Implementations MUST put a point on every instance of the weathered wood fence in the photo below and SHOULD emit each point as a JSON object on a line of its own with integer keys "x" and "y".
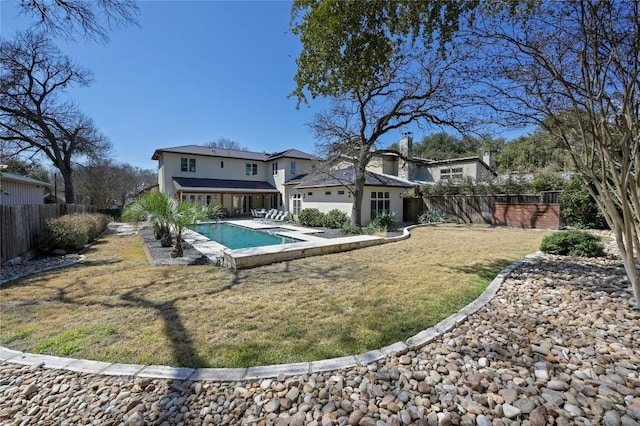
{"x": 520, "y": 210}
{"x": 461, "y": 208}
{"x": 22, "y": 226}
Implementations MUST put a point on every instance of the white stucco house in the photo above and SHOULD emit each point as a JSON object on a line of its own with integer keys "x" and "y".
{"x": 288, "y": 180}
{"x": 21, "y": 190}
{"x": 237, "y": 180}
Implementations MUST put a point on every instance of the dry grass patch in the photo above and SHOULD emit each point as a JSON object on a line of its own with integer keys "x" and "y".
{"x": 116, "y": 307}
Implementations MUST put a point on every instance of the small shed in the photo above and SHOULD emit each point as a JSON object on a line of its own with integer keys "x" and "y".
{"x": 21, "y": 190}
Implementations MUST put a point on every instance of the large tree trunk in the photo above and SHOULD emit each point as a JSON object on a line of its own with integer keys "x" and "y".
{"x": 358, "y": 195}
{"x": 69, "y": 194}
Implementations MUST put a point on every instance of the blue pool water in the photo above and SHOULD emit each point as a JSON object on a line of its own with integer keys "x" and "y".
{"x": 237, "y": 237}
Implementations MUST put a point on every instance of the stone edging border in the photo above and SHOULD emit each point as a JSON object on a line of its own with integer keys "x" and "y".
{"x": 81, "y": 258}
{"x": 269, "y": 371}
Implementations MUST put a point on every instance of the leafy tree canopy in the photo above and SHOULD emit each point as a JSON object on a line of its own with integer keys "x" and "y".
{"x": 347, "y": 44}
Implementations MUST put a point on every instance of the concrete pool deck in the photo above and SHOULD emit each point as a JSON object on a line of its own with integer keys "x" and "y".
{"x": 311, "y": 245}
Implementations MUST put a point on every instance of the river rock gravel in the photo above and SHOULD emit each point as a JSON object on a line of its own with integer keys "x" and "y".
{"x": 559, "y": 344}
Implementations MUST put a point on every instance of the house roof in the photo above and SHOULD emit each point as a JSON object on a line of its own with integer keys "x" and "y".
{"x": 222, "y": 185}
{"x": 347, "y": 176}
{"x": 233, "y": 153}
{"x": 22, "y": 179}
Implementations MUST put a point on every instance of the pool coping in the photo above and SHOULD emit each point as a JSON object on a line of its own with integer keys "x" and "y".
{"x": 269, "y": 371}
{"x": 310, "y": 245}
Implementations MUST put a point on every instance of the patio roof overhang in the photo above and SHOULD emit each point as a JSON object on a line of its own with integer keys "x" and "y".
{"x": 227, "y": 186}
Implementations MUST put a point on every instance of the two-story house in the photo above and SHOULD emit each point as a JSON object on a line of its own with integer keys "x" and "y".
{"x": 405, "y": 165}
{"x": 237, "y": 180}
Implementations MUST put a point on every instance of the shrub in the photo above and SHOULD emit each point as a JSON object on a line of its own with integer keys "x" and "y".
{"x": 116, "y": 213}
{"x": 579, "y": 209}
{"x": 349, "y": 229}
{"x": 311, "y": 217}
{"x": 573, "y": 243}
{"x": 383, "y": 221}
{"x": 432, "y": 216}
{"x": 335, "y": 219}
{"x": 73, "y": 232}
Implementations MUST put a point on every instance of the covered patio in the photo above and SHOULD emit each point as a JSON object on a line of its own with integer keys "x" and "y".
{"x": 237, "y": 197}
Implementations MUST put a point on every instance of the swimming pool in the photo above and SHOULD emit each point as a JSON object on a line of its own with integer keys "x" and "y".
{"x": 238, "y": 237}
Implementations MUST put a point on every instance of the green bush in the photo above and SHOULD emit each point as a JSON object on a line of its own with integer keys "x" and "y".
{"x": 116, "y": 214}
{"x": 335, "y": 219}
{"x": 349, "y": 229}
{"x": 579, "y": 209}
{"x": 73, "y": 232}
{"x": 311, "y": 217}
{"x": 383, "y": 221}
{"x": 573, "y": 243}
{"x": 432, "y": 216}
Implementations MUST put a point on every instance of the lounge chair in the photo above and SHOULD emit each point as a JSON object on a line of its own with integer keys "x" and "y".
{"x": 283, "y": 218}
{"x": 270, "y": 215}
{"x": 277, "y": 217}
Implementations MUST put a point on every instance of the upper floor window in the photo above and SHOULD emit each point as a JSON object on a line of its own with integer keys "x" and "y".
{"x": 222, "y": 164}
{"x": 452, "y": 173}
{"x": 251, "y": 169}
{"x": 293, "y": 168}
{"x": 188, "y": 164}
{"x": 274, "y": 168}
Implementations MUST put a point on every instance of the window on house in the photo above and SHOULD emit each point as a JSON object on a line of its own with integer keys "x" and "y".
{"x": 274, "y": 168}
{"x": 188, "y": 164}
{"x": 452, "y": 173}
{"x": 309, "y": 193}
{"x": 208, "y": 200}
{"x": 297, "y": 204}
{"x": 327, "y": 192}
{"x": 251, "y": 169}
{"x": 293, "y": 168}
{"x": 184, "y": 198}
{"x": 380, "y": 203}
{"x": 222, "y": 164}
{"x": 340, "y": 192}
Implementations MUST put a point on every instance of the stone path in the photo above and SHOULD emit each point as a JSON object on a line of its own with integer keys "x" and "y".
{"x": 558, "y": 344}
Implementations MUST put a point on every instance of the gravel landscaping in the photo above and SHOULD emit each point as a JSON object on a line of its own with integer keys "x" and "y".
{"x": 162, "y": 255}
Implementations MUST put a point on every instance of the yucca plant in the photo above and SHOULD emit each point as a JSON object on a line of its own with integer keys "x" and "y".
{"x": 184, "y": 214}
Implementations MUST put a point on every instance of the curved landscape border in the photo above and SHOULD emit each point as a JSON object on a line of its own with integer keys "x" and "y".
{"x": 270, "y": 371}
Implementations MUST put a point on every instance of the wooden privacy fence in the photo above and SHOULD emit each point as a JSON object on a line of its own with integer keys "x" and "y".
{"x": 461, "y": 208}
{"x": 21, "y": 226}
{"x": 519, "y": 210}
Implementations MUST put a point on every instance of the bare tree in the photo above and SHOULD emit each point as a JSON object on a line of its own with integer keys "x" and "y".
{"x": 33, "y": 116}
{"x": 104, "y": 183}
{"x": 90, "y": 19}
{"x": 226, "y": 144}
{"x": 574, "y": 69}
{"x": 418, "y": 88}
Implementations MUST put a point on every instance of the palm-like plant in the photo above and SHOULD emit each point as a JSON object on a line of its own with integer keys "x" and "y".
{"x": 156, "y": 206}
{"x": 168, "y": 214}
{"x": 185, "y": 213}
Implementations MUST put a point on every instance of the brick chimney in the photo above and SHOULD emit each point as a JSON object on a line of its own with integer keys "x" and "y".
{"x": 406, "y": 169}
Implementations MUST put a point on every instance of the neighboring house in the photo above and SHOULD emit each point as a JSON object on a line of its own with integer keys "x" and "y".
{"x": 237, "y": 180}
{"x": 21, "y": 190}
{"x": 326, "y": 191}
{"x": 425, "y": 171}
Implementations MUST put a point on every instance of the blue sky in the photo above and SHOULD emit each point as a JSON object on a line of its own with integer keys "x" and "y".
{"x": 192, "y": 72}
